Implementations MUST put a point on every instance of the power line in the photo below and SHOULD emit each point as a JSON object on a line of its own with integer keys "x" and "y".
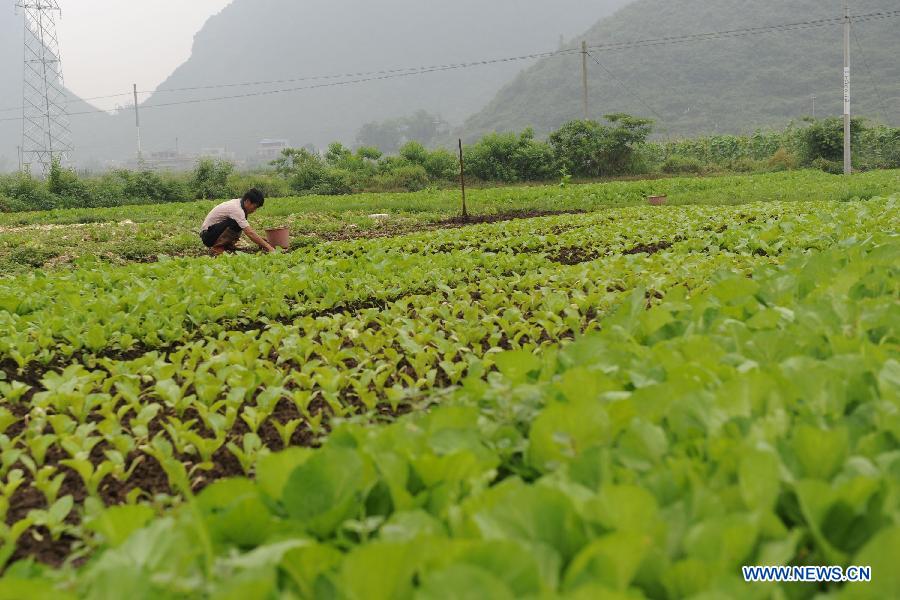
{"x": 395, "y": 73}
{"x": 639, "y": 43}
{"x": 14, "y": 108}
{"x": 400, "y": 71}
{"x": 744, "y": 32}
{"x": 361, "y": 77}
{"x": 412, "y": 71}
{"x": 391, "y": 74}
{"x": 366, "y": 76}
{"x": 407, "y": 70}
{"x": 627, "y": 89}
{"x": 869, "y": 74}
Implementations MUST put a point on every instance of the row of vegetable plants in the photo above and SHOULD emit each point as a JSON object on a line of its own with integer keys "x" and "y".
{"x": 101, "y": 309}
{"x": 748, "y": 420}
{"x": 58, "y": 239}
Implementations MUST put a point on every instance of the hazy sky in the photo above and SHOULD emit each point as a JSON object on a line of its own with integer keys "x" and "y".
{"x": 109, "y": 44}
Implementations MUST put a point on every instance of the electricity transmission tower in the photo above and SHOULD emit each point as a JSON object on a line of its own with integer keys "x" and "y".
{"x": 45, "y": 121}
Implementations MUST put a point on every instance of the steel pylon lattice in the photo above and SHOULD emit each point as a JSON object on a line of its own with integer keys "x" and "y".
{"x": 45, "y": 121}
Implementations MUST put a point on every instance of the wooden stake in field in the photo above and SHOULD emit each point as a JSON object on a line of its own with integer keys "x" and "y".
{"x": 462, "y": 180}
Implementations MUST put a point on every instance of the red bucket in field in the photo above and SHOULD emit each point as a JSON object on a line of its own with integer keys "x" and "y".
{"x": 657, "y": 200}
{"x": 280, "y": 237}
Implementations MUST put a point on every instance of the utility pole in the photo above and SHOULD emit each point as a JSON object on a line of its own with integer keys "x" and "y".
{"x": 584, "y": 79}
{"x": 814, "y": 107}
{"x": 137, "y": 122}
{"x": 848, "y": 164}
{"x": 462, "y": 180}
{"x": 19, "y": 155}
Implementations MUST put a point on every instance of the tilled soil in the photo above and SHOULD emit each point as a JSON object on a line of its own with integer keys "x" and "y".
{"x": 649, "y": 248}
{"x": 576, "y": 255}
{"x": 456, "y": 222}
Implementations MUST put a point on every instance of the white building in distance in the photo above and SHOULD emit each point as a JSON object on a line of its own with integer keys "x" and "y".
{"x": 270, "y": 149}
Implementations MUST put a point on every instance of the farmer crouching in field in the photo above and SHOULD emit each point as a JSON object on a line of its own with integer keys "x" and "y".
{"x": 225, "y": 223}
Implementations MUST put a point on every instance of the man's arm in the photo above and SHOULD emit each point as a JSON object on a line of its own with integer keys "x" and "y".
{"x": 258, "y": 240}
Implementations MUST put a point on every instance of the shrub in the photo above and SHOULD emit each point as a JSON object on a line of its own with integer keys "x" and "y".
{"x": 141, "y": 187}
{"x": 589, "y": 149}
{"x": 390, "y": 163}
{"x": 577, "y": 148}
{"x": 442, "y": 165}
{"x": 675, "y": 165}
{"x": 829, "y": 166}
{"x": 783, "y": 160}
{"x": 490, "y": 159}
{"x": 369, "y": 153}
{"x": 333, "y": 182}
{"x": 27, "y": 193}
{"x": 439, "y": 165}
{"x": 301, "y": 168}
{"x": 509, "y": 158}
{"x": 745, "y": 164}
{"x": 270, "y": 185}
{"x": 409, "y": 178}
{"x": 340, "y": 172}
{"x": 65, "y": 184}
{"x": 534, "y": 160}
{"x": 824, "y": 139}
{"x": 731, "y": 151}
{"x": 15, "y": 204}
{"x": 109, "y": 190}
{"x": 338, "y": 155}
{"x": 414, "y": 153}
{"x": 882, "y": 147}
{"x": 209, "y": 179}
{"x": 623, "y": 139}
{"x": 763, "y": 144}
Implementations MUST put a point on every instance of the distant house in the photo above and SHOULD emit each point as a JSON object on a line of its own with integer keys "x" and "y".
{"x": 270, "y": 149}
{"x": 166, "y": 160}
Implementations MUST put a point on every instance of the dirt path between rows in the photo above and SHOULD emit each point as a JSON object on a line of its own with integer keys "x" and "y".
{"x": 457, "y": 222}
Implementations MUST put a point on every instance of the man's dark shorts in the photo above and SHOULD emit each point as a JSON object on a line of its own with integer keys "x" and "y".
{"x": 214, "y": 232}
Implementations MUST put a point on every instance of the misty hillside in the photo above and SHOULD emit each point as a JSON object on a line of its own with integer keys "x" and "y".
{"x": 265, "y": 40}
{"x": 723, "y": 85}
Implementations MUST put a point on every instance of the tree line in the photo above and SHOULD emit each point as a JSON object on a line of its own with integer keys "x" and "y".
{"x": 618, "y": 146}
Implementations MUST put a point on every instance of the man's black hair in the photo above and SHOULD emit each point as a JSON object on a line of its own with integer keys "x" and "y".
{"x": 255, "y": 197}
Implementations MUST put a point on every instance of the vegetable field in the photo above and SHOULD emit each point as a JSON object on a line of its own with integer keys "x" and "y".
{"x": 58, "y": 239}
{"x": 611, "y": 401}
